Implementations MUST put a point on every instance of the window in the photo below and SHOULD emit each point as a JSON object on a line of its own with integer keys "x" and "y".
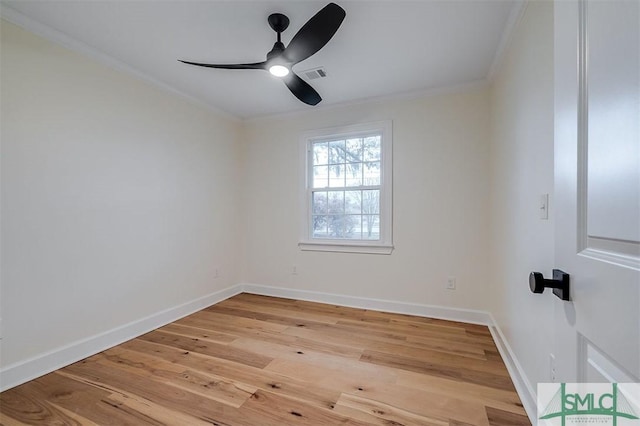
{"x": 346, "y": 189}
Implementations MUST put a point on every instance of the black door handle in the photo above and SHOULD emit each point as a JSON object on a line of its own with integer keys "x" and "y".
{"x": 559, "y": 283}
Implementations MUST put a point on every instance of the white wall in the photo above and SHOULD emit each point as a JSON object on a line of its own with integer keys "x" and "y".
{"x": 440, "y": 203}
{"x": 521, "y": 170}
{"x": 118, "y": 199}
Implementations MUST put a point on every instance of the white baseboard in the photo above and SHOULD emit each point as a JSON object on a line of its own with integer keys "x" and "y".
{"x": 526, "y": 392}
{"x": 15, "y": 374}
{"x": 432, "y": 311}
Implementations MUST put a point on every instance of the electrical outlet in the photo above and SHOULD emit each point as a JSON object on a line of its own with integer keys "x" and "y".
{"x": 552, "y": 367}
{"x": 216, "y": 273}
{"x": 294, "y": 270}
{"x": 451, "y": 283}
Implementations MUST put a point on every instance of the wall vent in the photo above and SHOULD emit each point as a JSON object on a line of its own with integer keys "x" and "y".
{"x": 315, "y": 73}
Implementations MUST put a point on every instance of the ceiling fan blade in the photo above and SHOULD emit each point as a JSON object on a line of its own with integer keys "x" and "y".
{"x": 315, "y": 33}
{"x": 301, "y": 89}
{"x": 254, "y": 66}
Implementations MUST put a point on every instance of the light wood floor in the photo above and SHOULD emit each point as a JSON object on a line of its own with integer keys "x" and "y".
{"x": 258, "y": 361}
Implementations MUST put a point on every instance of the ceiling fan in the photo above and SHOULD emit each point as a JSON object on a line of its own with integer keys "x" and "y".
{"x": 308, "y": 40}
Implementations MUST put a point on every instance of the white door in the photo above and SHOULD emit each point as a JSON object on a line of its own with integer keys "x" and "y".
{"x": 597, "y": 189}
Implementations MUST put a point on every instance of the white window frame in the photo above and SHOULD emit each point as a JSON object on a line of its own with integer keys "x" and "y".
{"x": 385, "y": 244}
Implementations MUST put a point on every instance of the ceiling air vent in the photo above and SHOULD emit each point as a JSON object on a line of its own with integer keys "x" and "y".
{"x": 315, "y": 73}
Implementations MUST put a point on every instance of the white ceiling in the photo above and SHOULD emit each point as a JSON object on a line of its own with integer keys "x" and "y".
{"x": 383, "y": 48}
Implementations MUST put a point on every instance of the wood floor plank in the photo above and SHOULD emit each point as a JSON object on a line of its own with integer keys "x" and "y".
{"x": 261, "y": 361}
{"x": 235, "y": 330}
{"x": 239, "y": 322}
{"x": 504, "y": 418}
{"x": 444, "y": 344}
{"x": 420, "y": 336}
{"x": 151, "y": 409}
{"x": 281, "y": 316}
{"x": 261, "y": 378}
{"x": 379, "y": 413}
{"x": 426, "y": 404}
{"x": 277, "y": 410}
{"x": 75, "y": 416}
{"x": 427, "y": 366}
{"x": 25, "y": 407}
{"x": 208, "y": 385}
{"x": 488, "y": 396}
{"x": 481, "y": 364}
{"x": 89, "y": 404}
{"x": 347, "y": 329}
{"x": 328, "y": 348}
{"x": 207, "y": 348}
{"x": 159, "y": 391}
{"x": 245, "y": 311}
{"x": 338, "y": 336}
{"x": 198, "y": 333}
{"x": 5, "y": 420}
{"x": 343, "y": 377}
{"x": 294, "y": 352}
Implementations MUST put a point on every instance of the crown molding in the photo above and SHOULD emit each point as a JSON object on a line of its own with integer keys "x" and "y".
{"x": 515, "y": 16}
{"x": 404, "y": 96}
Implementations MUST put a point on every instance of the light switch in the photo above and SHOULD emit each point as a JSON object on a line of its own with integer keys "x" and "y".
{"x": 544, "y": 206}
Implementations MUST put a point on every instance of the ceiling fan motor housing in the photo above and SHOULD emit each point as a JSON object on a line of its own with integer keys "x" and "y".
{"x": 278, "y": 48}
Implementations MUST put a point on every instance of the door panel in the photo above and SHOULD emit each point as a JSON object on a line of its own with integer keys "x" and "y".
{"x": 597, "y": 188}
{"x": 613, "y": 111}
{"x": 597, "y": 366}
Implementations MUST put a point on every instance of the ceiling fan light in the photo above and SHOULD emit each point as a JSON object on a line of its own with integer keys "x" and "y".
{"x": 279, "y": 70}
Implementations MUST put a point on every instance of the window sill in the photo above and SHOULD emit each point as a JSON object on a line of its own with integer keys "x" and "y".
{"x": 345, "y": 248}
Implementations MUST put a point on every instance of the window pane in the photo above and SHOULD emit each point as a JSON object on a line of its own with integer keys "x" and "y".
{"x": 353, "y": 230}
{"x": 372, "y": 148}
{"x": 336, "y": 226}
{"x": 337, "y": 176}
{"x": 352, "y": 202}
{"x": 354, "y": 174}
{"x": 319, "y": 203}
{"x": 354, "y": 150}
{"x": 336, "y": 152}
{"x": 320, "y": 153}
{"x": 351, "y": 226}
{"x": 320, "y": 176}
{"x": 371, "y": 202}
{"x": 345, "y": 226}
{"x": 336, "y": 202}
{"x": 372, "y": 173}
{"x": 320, "y": 226}
{"x": 371, "y": 227}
